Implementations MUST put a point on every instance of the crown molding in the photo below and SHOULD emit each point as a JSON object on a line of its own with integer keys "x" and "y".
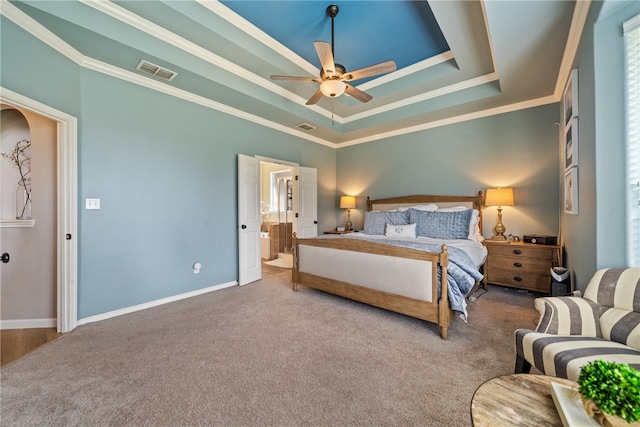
{"x": 149, "y": 83}
{"x": 37, "y": 30}
{"x": 445, "y": 90}
{"x": 578, "y": 21}
{"x": 454, "y": 119}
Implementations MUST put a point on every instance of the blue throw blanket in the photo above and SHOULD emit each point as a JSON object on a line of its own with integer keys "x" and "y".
{"x": 461, "y": 272}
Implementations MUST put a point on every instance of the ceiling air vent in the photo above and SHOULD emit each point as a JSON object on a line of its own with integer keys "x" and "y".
{"x": 156, "y": 70}
{"x": 306, "y": 126}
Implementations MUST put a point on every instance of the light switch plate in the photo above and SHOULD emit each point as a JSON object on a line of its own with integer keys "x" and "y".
{"x": 92, "y": 203}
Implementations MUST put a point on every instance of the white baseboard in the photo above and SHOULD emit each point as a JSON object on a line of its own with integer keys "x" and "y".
{"x": 27, "y": 323}
{"x": 134, "y": 308}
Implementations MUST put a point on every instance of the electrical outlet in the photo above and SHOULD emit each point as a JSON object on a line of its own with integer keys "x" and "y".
{"x": 92, "y": 203}
{"x": 196, "y": 268}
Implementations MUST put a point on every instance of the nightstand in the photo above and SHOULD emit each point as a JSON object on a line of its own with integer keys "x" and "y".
{"x": 337, "y": 232}
{"x": 520, "y": 265}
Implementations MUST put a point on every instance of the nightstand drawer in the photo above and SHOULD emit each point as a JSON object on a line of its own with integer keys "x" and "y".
{"x": 521, "y": 265}
{"x": 515, "y": 263}
{"x": 531, "y": 251}
{"x": 532, "y": 282}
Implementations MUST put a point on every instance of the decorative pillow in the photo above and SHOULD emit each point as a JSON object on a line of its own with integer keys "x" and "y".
{"x": 375, "y": 222}
{"x": 405, "y": 230}
{"x": 474, "y": 229}
{"x": 441, "y": 225}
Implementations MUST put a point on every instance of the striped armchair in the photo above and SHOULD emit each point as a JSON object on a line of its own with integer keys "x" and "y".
{"x": 573, "y": 331}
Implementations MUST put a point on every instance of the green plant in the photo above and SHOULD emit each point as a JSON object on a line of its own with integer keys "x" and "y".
{"x": 615, "y": 387}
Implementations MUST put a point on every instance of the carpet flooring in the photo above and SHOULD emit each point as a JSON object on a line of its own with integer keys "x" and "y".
{"x": 263, "y": 355}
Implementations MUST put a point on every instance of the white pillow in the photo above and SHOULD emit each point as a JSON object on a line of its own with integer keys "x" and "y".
{"x": 430, "y": 208}
{"x": 453, "y": 209}
{"x": 474, "y": 229}
{"x": 404, "y": 230}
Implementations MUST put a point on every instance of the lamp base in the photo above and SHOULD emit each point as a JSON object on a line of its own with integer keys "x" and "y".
{"x": 499, "y": 239}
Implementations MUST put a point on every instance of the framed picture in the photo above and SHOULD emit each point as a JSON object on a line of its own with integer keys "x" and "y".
{"x": 571, "y": 144}
{"x": 571, "y": 191}
{"x": 570, "y": 98}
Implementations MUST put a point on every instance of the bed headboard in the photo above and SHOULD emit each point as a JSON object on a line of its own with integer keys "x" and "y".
{"x": 473, "y": 202}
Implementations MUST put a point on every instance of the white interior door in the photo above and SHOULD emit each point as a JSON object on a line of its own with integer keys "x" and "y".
{"x": 307, "y": 206}
{"x": 250, "y": 268}
{"x": 66, "y": 199}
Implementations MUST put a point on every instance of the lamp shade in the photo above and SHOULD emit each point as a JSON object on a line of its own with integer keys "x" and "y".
{"x": 499, "y": 197}
{"x": 333, "y": 88}
{"x": 347, "y": 202}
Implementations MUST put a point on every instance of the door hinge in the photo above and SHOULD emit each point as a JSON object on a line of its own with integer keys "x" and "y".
{"x": 296, "y": 214}
{"x": 296, "y": 177}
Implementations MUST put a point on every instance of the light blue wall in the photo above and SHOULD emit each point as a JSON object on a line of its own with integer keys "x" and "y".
{"x": 165, "y": 171}
{"x": 518, "y": 149}
{"x": 36, "y": 71}
{"x": 596, "y": 237}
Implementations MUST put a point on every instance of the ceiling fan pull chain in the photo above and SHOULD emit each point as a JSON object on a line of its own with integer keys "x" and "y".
{"x": 333, "y": 103}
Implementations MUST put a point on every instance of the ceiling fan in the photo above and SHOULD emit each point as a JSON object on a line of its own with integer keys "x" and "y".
{"x": 334, "y": 77}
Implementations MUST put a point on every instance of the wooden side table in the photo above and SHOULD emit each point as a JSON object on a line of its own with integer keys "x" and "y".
{"x": 516, "y": 400}
{"x": 521, "y": 265}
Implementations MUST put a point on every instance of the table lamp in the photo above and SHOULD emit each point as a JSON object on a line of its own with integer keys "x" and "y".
{"x": 499, "y": 197}
{"x": 348, "y": 203}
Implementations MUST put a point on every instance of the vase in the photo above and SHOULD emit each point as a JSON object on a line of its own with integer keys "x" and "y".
{"x": 23, "y": 199}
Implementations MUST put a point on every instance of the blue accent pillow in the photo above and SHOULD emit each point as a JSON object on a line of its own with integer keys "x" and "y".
{"x": 376, "y": 222}
{"x": 441, "y": 225}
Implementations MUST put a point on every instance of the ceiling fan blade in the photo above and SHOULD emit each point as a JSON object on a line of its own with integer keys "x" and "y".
{"x": 358, "y": 94}
{"x": 315, "y": 98}
{"x": 301, "y": 79}
{"x": 326, "y": 57}
{"x": 372, "y": 70}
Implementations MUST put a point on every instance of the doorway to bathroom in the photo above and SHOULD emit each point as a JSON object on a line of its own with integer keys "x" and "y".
{"x": 288, "y": 207}
{"x": 276, "y": 213}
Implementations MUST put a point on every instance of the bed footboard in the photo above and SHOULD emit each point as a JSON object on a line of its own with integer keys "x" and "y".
{"x": 398, "y": 279}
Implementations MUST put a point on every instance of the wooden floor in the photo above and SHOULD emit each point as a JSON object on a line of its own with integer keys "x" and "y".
{"x": 15, "y": 343}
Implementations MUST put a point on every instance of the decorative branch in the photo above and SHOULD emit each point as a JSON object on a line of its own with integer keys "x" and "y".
{"x": 21, "y": 158}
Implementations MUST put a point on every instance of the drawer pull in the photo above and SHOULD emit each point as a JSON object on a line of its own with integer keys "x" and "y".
{"x": 517, "y": 279}
{"x": 517, "y": 264}
{"x": 517, "y": 251}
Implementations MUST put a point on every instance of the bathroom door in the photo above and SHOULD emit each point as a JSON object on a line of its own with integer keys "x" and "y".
{"x": 250, "y": 268}
{"x": 306, "y": 202}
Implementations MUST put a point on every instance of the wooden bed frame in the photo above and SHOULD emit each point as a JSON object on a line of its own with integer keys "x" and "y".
{"x": 435, "y": 311}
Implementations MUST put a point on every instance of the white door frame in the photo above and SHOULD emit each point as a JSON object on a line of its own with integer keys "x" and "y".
{"x": 67, "y": 205}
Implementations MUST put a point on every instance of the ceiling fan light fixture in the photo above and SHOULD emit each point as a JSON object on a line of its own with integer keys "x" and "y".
{"x": 333, "y": 88}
